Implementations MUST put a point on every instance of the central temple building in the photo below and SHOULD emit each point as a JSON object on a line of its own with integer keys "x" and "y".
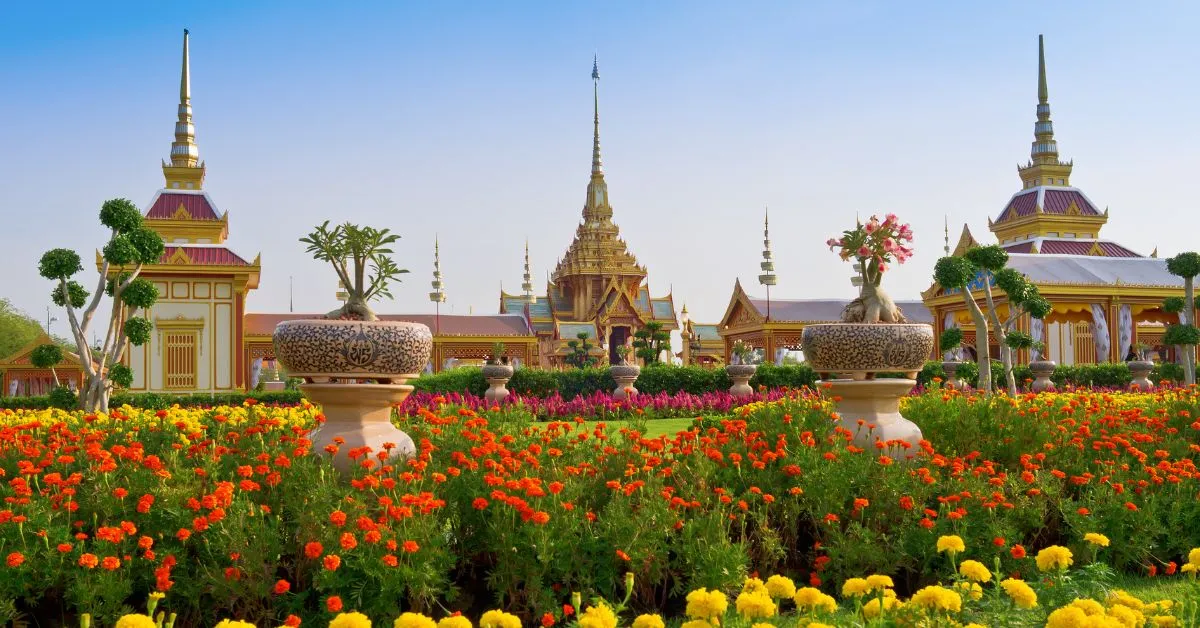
{"x": 598, "y": 288}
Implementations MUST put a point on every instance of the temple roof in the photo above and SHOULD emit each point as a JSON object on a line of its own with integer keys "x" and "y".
{"x": 202, "y": 255}
{"x": 259, "y": 324}
{"x": 1090, "y": 270}
{"x": 178, "y": 205}
{"x": 828, "y": 310}
{"x": 706, "y": 332}
{"x": 1060, "y": 246}
{"x": 570, "y": 330}
{"x": 1052, "y": 200}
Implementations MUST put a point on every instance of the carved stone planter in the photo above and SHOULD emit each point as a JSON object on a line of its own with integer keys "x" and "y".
{"x": 1140, "y": 372}
{"x": 860, "y": 350}
{"x": 497, "y": 376}
{"x": 624, "y": 375}
{"x": 356, "y": 371}
{"x": 950, "y": 367}
{"x": 1042, "y": 370}
{"x": 740, "y": 374}
{"x": 876, "y": 403}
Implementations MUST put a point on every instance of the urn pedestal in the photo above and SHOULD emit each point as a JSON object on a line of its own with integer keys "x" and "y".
{"x": 950, "y": 368}
{"x": 740, "y": 375}
{"x": 497, "y": 376}
{"x": 1042, "y": 370}
{"x": 624, "y": 375}
{"x": 1139, "y": 370}
{"x": 356, "y": 371}
{"x": 876, "y": 403}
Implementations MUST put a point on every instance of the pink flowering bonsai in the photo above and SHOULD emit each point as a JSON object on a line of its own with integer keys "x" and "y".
{"x": 874, "y": 245}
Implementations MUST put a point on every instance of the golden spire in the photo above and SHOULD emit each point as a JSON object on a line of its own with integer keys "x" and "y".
{"x": 527, "y": 284}
{"x": 946, "y": 229}
{"x": 186, "y": 171}
{"x": 597, "y": 208}
{"x": 768, "y": 263}
{"x": 1044, "y": 166}
{"x": 439, "y": 287}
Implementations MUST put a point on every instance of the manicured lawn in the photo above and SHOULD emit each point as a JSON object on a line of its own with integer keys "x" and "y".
{"x": 655, "y": 427}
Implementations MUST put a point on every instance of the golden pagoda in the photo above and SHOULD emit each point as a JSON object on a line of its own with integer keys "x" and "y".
{"x": 598, "y": 287}
{"x": 1107, "y": 298}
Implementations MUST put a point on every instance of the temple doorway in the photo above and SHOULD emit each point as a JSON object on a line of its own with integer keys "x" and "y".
{"x": 617, "y": 336}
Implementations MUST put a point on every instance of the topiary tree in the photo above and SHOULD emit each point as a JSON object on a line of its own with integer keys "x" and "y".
{"x": 1023, "y": 298}
{"x": 130, "y": 246}
{"x": 580, "y": 356}
{"x": 957, "y": 273}
{"x": 950, "y": 339}
{"x": 1184, "y": 334}
{"x": 47, "y": 356}
{"x": 650, "y": 341}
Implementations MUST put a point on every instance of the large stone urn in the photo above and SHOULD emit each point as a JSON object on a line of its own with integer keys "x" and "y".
{"x": 740, "y": 375}
{"x": 1139, "y": 370}
{"x": 1042, "y": 370}
{"x": 497, "y": 376}
{"x": 624, "y": 375}
{"x": 356, "y": 371}
{"x": 857, "y": 352}
{"x": 950, "y": 368}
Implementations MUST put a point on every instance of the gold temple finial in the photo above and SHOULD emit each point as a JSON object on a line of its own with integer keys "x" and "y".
{"x": 946, "y": 229}
{"x": 438, "y": 295}
{"x": 185, "y": 170}
{"x": 1154, "y": 253}
{"x": 527, "y": 284}
{"x": 1045, "y": 149}
{"x": 597, "y": 167}
{"x": 767, "y": 278}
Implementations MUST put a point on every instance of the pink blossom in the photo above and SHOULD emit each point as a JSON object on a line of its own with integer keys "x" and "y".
{"x": 833, "y": 243}
{"x": 889, "y": 245}
{"x": 890, "y": 219}
{"x": 864, "y": 251}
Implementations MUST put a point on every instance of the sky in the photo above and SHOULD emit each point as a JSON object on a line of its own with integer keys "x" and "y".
{"x": 471, "y": 122}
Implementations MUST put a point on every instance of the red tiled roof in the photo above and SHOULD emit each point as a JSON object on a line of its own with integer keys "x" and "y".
{"x": 1057, "y": 202}
{"x": 450, "y": 324}
{"x": 205, "y": 255}
{"x": 168, "y": 203}
{"x": 1083, "y": 247}
{"x": 1020, "y": 205}
{"x": 1023, "y": 247}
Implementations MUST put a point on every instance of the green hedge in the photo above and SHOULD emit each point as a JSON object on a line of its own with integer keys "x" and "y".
{"x": 159, "y": 401}
{"x": 1105, "y": 375}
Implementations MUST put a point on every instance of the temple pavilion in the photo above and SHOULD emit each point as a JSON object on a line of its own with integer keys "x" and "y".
{"x": 598, "y": 287}
{"x": 1107, "y": 298}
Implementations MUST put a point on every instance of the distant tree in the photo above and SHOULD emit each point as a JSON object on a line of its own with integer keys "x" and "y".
{"x": 130, "y": 246}
{"x": 957, "y": 273}
{"x": 581, "y": 351}
{"x": 1184, "y": 334}
{"x": 650, "y": 341}
{"x": 17, "y": 328}
{"x": 951, "y": 339}
{"x": 47, "y": 356}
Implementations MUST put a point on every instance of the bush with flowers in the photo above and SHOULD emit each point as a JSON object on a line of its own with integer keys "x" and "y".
{"x": 228, "y": 513}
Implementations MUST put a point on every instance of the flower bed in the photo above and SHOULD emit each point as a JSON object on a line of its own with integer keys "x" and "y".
{"x": 598, "y": 405}
{"x": 228, "y": 512}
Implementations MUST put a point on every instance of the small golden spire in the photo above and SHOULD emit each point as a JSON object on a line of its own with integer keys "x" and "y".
{"x": 527, "y": 284}
{"x": 946, "y": 228}
{"x": 439, "y": 287}
{"x": 597, "y": 167}
{"x": 186, "y": 171}
{"x": 767, "y": 278}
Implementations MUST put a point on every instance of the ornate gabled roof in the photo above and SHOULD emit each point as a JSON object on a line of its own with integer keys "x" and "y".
{"x": 1063, "y": 246}
{"x": 570, "y": 330}
{"x": 965, "y": 242}
{"x": 202, "y": 256}
{"x": 1048, "y": 200}
{"x": 1091, "y": 270}
{"x": 178, "y": 205}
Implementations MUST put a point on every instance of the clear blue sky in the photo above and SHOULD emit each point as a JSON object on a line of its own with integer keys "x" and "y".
{"x": 472, "y": 120}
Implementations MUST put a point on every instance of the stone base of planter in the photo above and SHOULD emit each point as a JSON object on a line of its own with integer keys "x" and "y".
{"x": 496, "y": 391}
{"x": 1042, "y": 370}
{"x": 624, "y": 375}
{"x": 361, "y": 415}
{"x": 1140, "y": 372}
{"x": 740, "y": 375}
{"x": 877, "y": 403}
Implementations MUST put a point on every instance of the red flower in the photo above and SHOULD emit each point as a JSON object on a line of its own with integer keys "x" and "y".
{"x": 333, "y": 603}
{"x": 292, "y": 621}
{"x": 999, "y": 541}
{"x": 479, "y": 503}
{"x": 348, "y": 542}
{"x": 15, "y": 559}
{"x": 332, "y": 562}
{"x": 183, "y": 534}
{"x": 548, "y": 620}
{"x": 1152, "y": 570}
{"x": 568, "y": 610}
{"x": 281, "y": 587}
{"x": 1083, "y": 512}
{"x": 1131, "y": 506}
{"x": 906, "y": 502}
{"x": 89, "y": 561}
{"x": 110, "y": 563}
{"x": 814, "y": 579}
{"x": 313, "y": 549}
{"x": 1171, "y": 566}
{"x": 63, "y": 548}
{"x": 390, "y": 560}
{"x": 410, "y": 547}
{"x": 1017, "y": 551}
{"x": 541, "y": 518}
{"x": 337, "y": 518}
{"x": 623, "y": 556}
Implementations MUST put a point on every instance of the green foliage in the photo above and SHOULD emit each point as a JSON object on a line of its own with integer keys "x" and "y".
{"x": 46, "y": 356}
{"x": 63, "y": 398}
{"x": 121, "y": 375}
{"x": 17, "y": 329}
{"x": 120, "y": 215}
{"x": 991, "y": 258}
{"x": 951, "y": 338}
{"x": 497, "y": 353}
{"x": 650, "y": 341}
{"x": 138, "y": 329}
{"x": 580, "y": 356}
{"x": 365, "y": 249}
{"x": 72, "y": 292}
{"x": 1184, "y": 265}
{"x": 1106, "y": 375}
{"x": 1174, "y": 305}
{"x": 1018, "y": 340}
{"x": 59, "y": 264}
{"x": 1181, "y": 335}
{"x": 1037, "y": 306}
{"x": 148, "y": 243}
{"x": 140, "y": 293}
{"x": 954, "y": 272}
{"x": 120, "y": 251}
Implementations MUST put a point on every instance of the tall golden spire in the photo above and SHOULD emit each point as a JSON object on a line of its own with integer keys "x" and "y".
{"x": 1044, "y": 167}
{"x": 527, "y": 283}
{"x": 439, "y": 287}
{"x": 597, "y": 208}
{"x": 768, "y": 263}
{"x": 185, "y": 171}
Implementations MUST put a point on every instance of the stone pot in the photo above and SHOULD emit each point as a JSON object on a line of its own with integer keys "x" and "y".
{"x": 624, "y": 375}
{"x": 1140, "y": 371}
{"x": 740, "y": 374}
{"x": 950, "y": 367}
{"x": 497, "y": 375}
{"x": 1042, "y": 370}
{"x": 860, "y": 350}
{"x": 870, "y": 410}
{"x": 356, "y": 371}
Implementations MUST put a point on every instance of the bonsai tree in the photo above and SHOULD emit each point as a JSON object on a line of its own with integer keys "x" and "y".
{"x": 623, "y": 353}
{"x": 1184, "y": 334}
{"x": 874, "y": 245}
{"x": 497, "y": 354}
{"x": 743, "y": 352}
{"x": 47, "y": 356}
{"x": 650, "y": 341}
{"x": 353, "y": 250}
{"x": 951, "y": 340}
{"x": 130, "y": 246}
{"x": 1140, "y": 348}
{"x": 581, "y": 351}
{"x": 957, "y": 273}
{"x": 1023, "y": 298}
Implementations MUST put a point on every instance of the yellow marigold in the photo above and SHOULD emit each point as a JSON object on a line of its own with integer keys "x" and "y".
{"x": 1021, "y": 594}
{"x": 697, "y": 623}
{"x": 1095, "y": 538}
{"x": 1055, "y": 557}
{"x": 454, "y": 621}
{"x": 1165, "y": 621}
{"x": 970, "y": 589}
{"x": 1121, "y": 598}
{"x": 1161, "y": 606}
{"x": 870, "y": 610}
{"x": 1189, "y": 568}
{"x": 1067, "y": 617}
{"x": 342, "y": 620}
{"x": 810, "y": 598}
{"x": 649, "y": 621}
{"x": 952, "y": 543}
{"x": 413, "y": 620}
{"x": 781, "y": 587}
{"x": 938, "y": 599}
{"x": 974, "y": 625}
{"x": 879, "y": 581}
{"x": 856, "y": 587}
{"x": 764, "y": 625}
{"x": 974, "y": 571}
{"x": 752, "y": 585}
{"x": 1089, "y": 607}
{"x": 135, "y": 620}
{"x": 1129, "y": 617}
{"x": 1194, "y": 557}
{"x": 598, "y": 616}
{"x": 755, "y": 604}
{"x": 705, "y": 604}
{"x": 234, "y": 623}
{"x": 499, "y": 619}
{"x": 817, "y": 624}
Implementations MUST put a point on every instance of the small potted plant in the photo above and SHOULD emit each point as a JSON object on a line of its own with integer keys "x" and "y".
{"x": 951, "y": 343}
{"x": 1042, "y": 369}
{"x": 741, "y": 369}
{"x": 354, "y": 365}
{"x": 625, "y": 373}
{"x": 497, "y": 372}
{"x": 1139, "y": 369}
